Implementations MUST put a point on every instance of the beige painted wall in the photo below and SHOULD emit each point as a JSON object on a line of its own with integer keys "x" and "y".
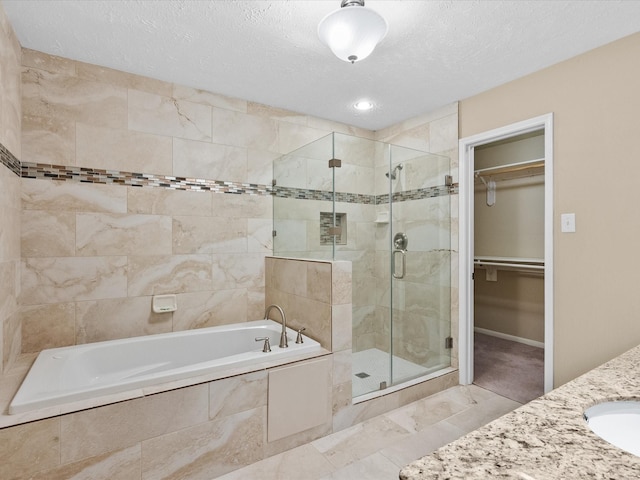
{"x": 595, "y": 100}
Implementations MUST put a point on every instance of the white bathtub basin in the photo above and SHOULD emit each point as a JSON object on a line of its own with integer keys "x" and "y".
{"x": 68, "y": 374}
{"x": 618, "y": 423}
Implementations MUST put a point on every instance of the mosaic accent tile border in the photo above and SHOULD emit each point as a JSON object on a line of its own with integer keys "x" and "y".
{"x": 9, "y": 160}
{"x": 324, "y": 195}
{"x": 419, "y": 194}
{"x": 94, "y": 175}
{"x": 101, "y": 176}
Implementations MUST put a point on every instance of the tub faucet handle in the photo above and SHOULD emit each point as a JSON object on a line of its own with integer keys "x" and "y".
{"x": 267, "y": 346}
{"x": 299, "y": 337}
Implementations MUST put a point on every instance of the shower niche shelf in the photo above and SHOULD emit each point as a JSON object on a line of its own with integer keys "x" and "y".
{"x": 327, "y": 228}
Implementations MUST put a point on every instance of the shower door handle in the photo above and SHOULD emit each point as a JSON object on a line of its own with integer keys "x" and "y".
{"x": 403, "y": 253}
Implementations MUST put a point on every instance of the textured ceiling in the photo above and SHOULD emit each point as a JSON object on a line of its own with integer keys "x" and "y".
{"x": 436, "y": 52}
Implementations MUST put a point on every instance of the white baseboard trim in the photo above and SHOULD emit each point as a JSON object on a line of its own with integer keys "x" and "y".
{"x": 506, "y": 336}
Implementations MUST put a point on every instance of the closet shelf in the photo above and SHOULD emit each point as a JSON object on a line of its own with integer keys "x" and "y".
{"x": 510, "y": 171}
{"x": 515, "y": 263}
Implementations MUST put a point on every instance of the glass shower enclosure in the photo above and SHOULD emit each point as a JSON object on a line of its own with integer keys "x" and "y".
{"x": 386, "y": 209}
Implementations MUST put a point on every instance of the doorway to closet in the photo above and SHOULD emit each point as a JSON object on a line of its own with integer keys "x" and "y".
{"x": 506, "y": 255}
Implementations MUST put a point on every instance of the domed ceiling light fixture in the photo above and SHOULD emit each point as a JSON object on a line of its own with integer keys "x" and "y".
{"x": 352, "y": 31}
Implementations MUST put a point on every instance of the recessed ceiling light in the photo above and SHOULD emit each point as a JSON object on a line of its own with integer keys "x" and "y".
{"x": 363, "y": 105}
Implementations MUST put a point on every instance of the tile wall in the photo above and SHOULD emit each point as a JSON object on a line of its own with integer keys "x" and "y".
{"x": 10, "y": 146}
{"x": 134, "y": 187}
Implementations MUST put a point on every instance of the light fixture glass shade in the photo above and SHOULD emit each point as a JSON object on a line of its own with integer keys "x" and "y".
{"x": 352, "y": 32}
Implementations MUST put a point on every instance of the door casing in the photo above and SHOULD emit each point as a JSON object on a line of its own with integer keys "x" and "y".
{"x": 466, "y": 250}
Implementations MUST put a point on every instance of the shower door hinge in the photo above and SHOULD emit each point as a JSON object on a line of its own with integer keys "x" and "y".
{"x": 448, "y": 342}
{"x": 335, "y": 163}
{"x": 274, "y": 182}
{"x": 473, "y": 276}
{"x": 273, "y": 233}
{"x": 448, "y": 180}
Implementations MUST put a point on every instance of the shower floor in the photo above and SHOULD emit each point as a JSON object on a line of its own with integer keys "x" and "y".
{"x": 375, "y": 364}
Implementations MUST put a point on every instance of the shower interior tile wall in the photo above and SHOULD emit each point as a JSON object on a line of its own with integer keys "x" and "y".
{"x": 93, "y": 253}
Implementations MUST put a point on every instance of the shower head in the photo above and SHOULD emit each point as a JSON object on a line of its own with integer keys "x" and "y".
{"x": 392, "y": 173}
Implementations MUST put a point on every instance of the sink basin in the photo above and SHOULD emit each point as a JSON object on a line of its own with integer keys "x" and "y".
{"x": 618, "y": 423}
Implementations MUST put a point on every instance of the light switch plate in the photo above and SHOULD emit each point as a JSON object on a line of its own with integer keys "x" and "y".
{"x": 568, "y": 222}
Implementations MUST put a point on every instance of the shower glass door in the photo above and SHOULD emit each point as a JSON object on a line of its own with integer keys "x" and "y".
{"x": 420, "y": 263}
{"x": 385, "y": 209}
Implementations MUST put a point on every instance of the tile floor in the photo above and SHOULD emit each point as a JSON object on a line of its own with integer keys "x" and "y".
{"x": 378, "y": 448}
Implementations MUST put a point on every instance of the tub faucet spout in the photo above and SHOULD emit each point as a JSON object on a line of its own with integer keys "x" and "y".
{"x": 283, "y": 335}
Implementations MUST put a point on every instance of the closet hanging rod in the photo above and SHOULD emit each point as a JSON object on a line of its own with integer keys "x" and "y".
{"x": 511, "y": 167}
{"x": 526, "y": 266}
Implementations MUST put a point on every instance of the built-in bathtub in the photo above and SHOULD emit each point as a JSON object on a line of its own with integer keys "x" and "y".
{"x": 68, "y": 374}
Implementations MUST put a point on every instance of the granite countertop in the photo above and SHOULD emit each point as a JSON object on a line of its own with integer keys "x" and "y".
{"x": 546, "y": 438}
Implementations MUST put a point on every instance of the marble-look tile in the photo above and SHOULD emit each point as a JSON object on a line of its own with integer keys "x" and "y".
{"x": 48, "y": 140}
{"x": 292, "y": 441}
{"x": 443, "y": 134}
{"x": 181, "y": 92}
{"x": 238, "y": 271}
{"x": 341, "y": 367}
{"x": 55, "y": 95}
{"x": 288, "y": 116}
{"x": 156, "y": 275}
{"x": 242, "y": 206}
{"x": 208, "y": 450}
{"x": 421, "y": 414}
{"x": 208, "y": 309}
{"x": 342, "y": 448}
{"x": 116, "y": 149}
{"x": 48, "y": 326}
{"x": 243, "y": 130}
{"x": 313, "y": 315}
{"x": 260, "y": 166}
{"x": 341, "y": 327}
{"x": 114, "y": 427}
{"x": 209, "y": 235}
{"x": 301, "y": 461}
{"x": 331, "y": 126}
{"x": 9, "y": 233}
{"x": 422, "y": 443}
{"x": 130, "y": 234}
{"x": 115, "y": 318}
{"x": 162, "y": 115}
{"x": 415, "y": 138}
{"x": 122, "y": 79}
{"x": 47, "y": 233}
{"x": 354, "y": 414}
{"x": 49, "y": 63}
{"x": 10, "y": 287}
{"x": 11, "y": 105}
{"x": 166, "y": 201}
{"x": 319, "y": 281}
{"x": 237, "y": 394}
{"x": 73, "y": 197}
{"x": 11, "y": 340}
{"x": 373, "y": 467}
{"x": 293, "y": 136}
{"x": 288, "y": 276}
{"x": 68, "y": 279}
{"x": 18, "y": 457}
{"x": 341, "y": 278}
{"x": 259, "y": 235}
{"x": 119, "y": 465}
{"x": 209, "y": 160}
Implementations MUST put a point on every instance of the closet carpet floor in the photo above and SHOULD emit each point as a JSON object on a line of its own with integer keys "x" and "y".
{"x": 510, "y": 369}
